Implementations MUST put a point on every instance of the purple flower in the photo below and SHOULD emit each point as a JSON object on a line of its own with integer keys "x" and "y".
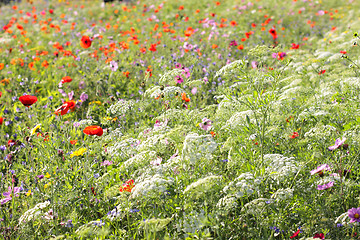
{"x": 84, "y": 97}
{"x": 338, "y": 143}
{"x": 354, "y": 214}
{"x": 206, "y": 124}
{"x": 320, "y": 168}
{"x": 9, "y": 194}
{"x": 114, "y": 66}
{"x": 325, "y": 186}
{"x": 40, "y": 176}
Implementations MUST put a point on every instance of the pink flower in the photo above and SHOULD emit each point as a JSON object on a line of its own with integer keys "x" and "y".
{"x": 354, "y": 214}
{"x": 325, "y": 186}
{"x": 338, "y": 143}
{"x": 321, "y": 168}
{"x": 106, "y": 163}
{"x": 206, "y": 124}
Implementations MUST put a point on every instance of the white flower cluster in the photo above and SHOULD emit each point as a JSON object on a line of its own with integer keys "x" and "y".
{"x": 199, "y": 187}
{"x": 140, "y": 159}
{"x": 230, "y": 68}
{"x": 121, "y": 107}
{"x": 279, "y": 167}
{"x": 239, "y": 119}
{"x": 150, "y": 186}
{"x": 256, "y": 206}
{"x": 283, "y": 194}
{"x": 226, "y": 204}
{"x": 34, "y": 212}
{"x": 113, "y": 135}
{"x": 192, "y": 222}
{"x": 312, "y": 111}
{"x": 245, "y": 184}
{"x": 320, "y": 132}
{"x": 156, "y": 142}
{"x": 127, "y": 147}
{"x": 85, "y": 122}
{"x": 198, "y": 146}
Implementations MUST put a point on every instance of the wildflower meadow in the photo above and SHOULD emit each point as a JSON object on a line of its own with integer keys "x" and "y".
{"x": 165, "y": 119}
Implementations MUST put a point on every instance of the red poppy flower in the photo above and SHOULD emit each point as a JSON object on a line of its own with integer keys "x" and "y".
{"x": 322, "y": 72}
{"x": 64, "y": 109}
{"x": 73, "y": 142}
{"x": 319, "y": 235}
{"x": 273, "y": 33}
{"x": 295, "y": 234}
{"x": 66, "y": 79}
{"x": 11, "y": 143}
{"x": 93, "y": 130}
{"x": 152, "y": 47}
{"x": 28, "y": 100}
{"x": 1, "y": 120}
{"x": 127, "y": 186}
{"x": 85, "y": 42}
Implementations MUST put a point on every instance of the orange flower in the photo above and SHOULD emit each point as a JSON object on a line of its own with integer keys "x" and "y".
{"x": 214, "y": 46}
{"x": 127, "y": 186}
{"x": 31, "y": 66}
{"x": 64, "y": 109}
{"x": 45, "y": 64}
{"x": 184, "y": 98}
{"x": 85, "y": 42}
{"x": 153, "y": 48}
{"x": 2, "y": 66}
{"x": 73, "y": 142}
{"x": 93, "y": 130}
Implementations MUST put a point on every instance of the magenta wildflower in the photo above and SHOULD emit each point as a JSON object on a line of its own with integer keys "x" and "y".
{"x": 179, "y": 79}
{"x": 354, "y": 214}
{"x": 206, "y": 124}
{"x": 233, "y": 43}
{"x": 320, "y": 168}
{"x": 325, "y": 186}
{"x": 338, "y": 143}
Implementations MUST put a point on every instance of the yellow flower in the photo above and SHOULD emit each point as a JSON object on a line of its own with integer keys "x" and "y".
{"x": 47, "y": 175}
{"x": 28, "y": 193}
{"x": 96, "y": 102}
{"x": 78, "y": 152}
{"x": 47, "y": 185}
{"x": 35, "y": 129}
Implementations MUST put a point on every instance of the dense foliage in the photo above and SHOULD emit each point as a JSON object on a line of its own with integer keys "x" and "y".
{"x": 231, "y": 119}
